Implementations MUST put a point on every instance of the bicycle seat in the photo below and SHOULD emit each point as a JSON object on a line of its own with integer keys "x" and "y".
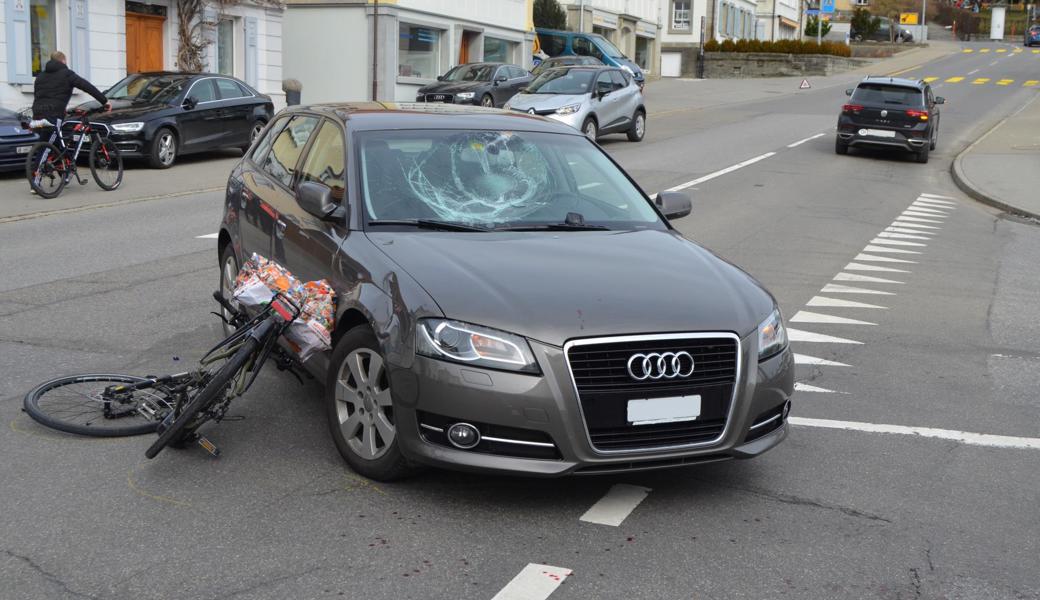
{"x": 40, "y": 124}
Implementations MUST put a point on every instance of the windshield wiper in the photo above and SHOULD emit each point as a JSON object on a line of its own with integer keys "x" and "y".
{"x": 553, "y": 227}
{"x": 430, "y": 224}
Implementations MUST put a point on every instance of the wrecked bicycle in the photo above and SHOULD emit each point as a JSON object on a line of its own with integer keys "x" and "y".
{"x": 174, "y": 406}
{"x": 50, "y": 165}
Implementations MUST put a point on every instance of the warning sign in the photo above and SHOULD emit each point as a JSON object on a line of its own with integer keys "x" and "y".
{"x": 804, "y": 85}
{"x": 908, "y": 18}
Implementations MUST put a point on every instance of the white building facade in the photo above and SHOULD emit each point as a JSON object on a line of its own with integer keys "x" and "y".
{"x": 350, "y": 50}
{"x": 105, "y": 40}
{"x": 632, "y": 25}
{"x": 779, "y": 20}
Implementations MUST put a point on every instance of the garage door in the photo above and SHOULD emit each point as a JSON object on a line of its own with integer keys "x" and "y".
{"x": 671, "y": 64}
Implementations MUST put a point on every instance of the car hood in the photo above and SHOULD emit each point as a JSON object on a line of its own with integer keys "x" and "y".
{"x": 636, "y": 71}
{"x": 544, "y": 101}
{"x": 557, "y": 286}
{"x": 12, "y": 126}
{"x": 133, "y": 111}
{"x": 453, "y": 87}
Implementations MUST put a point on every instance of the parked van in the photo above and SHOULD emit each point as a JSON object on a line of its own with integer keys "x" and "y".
{"x": 559, "y": 43}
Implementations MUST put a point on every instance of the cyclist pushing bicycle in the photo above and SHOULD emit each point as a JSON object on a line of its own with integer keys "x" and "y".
{"x": 53, "y": 89}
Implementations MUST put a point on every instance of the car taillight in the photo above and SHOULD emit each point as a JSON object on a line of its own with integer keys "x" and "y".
{"x": 917, "y": 114}
{"x": 851, "y": 108}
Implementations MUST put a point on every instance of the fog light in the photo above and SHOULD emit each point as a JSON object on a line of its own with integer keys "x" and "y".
{"x": 787, "y": 409}
{"x": 463, "y": 435}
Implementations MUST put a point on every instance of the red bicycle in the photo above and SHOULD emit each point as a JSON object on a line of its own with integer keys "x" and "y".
{"x": 50, "y": 165}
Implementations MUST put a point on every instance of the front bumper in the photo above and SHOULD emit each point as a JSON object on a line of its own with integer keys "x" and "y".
{"x": 10, "y": 157}
{"x": 537, "y": 423}
{"x": 575, "y": 119}
{"x": 131, "y": 145}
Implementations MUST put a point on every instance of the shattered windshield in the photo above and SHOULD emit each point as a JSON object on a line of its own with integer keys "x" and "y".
{"x": 496, "y": 179}
{"x": 562, "y": 81}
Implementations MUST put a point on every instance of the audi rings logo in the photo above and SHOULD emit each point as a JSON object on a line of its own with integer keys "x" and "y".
{"x": 663, "y": 365}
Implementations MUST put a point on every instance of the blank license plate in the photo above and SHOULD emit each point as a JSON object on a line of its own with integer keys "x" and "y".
{"x": 22, "y": 149}
{"x": 878, "y": 133}
{"x": 76, "y": 137}
{"x": 664, "y": 410}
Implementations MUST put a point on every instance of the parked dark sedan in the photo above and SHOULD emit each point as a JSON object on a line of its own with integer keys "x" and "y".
{"x": 160, "y": 116}
{"x": 15, "y": 140}
{"x": 508, "y": 299}
{"x": 486, "y": 84}
{"x": 565, "y": 61}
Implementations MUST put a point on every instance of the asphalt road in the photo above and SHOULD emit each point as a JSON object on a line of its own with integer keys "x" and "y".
{"x": 859, "y": 508}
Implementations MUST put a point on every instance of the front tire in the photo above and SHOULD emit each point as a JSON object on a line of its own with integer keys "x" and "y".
{"x": 360, "y": 408}
{"x": 163, "y": 152}
{"x": 106, "y": 164}
{"x": 590, "y": 129}
{"x": 254, "y": 132}
{"x": 487, "y": 101}
{"x": 228, "y": 274}
{"x": 638, "y": 130}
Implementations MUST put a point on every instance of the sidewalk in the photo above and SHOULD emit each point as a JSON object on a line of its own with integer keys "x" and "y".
{"x": 1002, "y": 168}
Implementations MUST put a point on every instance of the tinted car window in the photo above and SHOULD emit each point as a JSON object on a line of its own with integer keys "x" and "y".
{"x": 470, "y": 73}
{"x": 260, "y": 151}
{"x": 166, "y": 90}
{"x": 604, "y": 84}
{"x": 552, "y": 45}
{"x": 619, "y": 79}
{"x": 883, "y": 93}
{"x": 326, "y": 163}
{"x": 203, "y": 91}
{"x": 516, "y": 72}
{"x": 281, "y": 161}
{"x": 562, "y": 81}
{"x": 229, "y": 89}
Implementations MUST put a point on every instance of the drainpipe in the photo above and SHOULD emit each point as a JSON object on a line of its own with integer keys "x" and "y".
{"x": 375, "y": 51}
{"x": 581, "y": 16}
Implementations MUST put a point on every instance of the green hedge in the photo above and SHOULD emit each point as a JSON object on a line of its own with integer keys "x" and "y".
{"x": 778, "y": 47}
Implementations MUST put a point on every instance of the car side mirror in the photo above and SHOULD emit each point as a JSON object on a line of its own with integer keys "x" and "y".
{"x": 501, "y": 79}
{"x": 940, "y": 100}
{"x": 440, "y": 78}
{"x": 674, "y": 205}
{"x": 848, "y": 92}
{"x": 190, "y": 103}
{"x": 316, "y": 199}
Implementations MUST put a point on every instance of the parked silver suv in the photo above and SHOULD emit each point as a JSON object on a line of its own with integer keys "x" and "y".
{"x": 593, "y": 100}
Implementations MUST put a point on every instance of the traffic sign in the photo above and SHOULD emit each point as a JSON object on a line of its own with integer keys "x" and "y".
{"x": 812, "y": 12}
{"x": 804, "y": 85}
{"x": 908, "y": 18}
{"x": 827, "y": 6}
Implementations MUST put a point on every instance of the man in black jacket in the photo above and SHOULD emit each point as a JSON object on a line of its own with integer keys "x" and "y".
{"x": 53, "y": 89}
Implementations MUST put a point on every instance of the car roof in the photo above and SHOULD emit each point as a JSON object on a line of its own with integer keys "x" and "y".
{"x": 181, "y": 73}
{"x": 914, "y": 83}
{"x": 420, "y": 115}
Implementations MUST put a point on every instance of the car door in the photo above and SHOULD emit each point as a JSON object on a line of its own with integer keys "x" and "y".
{"x": 606, "y": 102}
{"x": 627, "y": 95}
{"x": 518, "y": 80}
{"x": 310, "y": 243}
{"x": 256, "y": 220}
{"x": 201, "y": 125}
{"x": 236, "y": 112}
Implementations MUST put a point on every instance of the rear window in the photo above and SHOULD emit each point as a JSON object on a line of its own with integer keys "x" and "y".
{"x": 882, "y": 93}
{"x": 553, "y": 45}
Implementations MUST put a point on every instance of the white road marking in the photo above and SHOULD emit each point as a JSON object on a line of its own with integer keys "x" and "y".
{"x": 901, "y": 222}
{"x": 804, "y": 387}
{"x": 615, "y": 507}
{"x": 863, "y": 278}
{"x": 802, "y": 359}
{"x": 916, "y": 213}
{"x": 833, "y": 288}
{"x": 208, "y": 236}
{"x": 895, "y": 242}
{"x": 917, "y": 219}
{"x": 929, "y": 205}
{"x": 914, "y": 207}
{"x": 902, "y": 236}
{"x": 810, "y": 138}
{"x": 797, "y": 335}
{"x": 823, "y": 301}
{"x": 973, "y": 439}
{"x": 533, "y": 582}
{"x": 936, "y": 203}
{"x": 804, "y": 316}
{"x": 740, "y": 165}
{"x": 936, "y": 196}
{"x": 871, "y": 258}
{"x": 973, "y": 72}
{"x": 859, "y": 267}
{"x": 906, "y": 230}
{"x": 871, "y": 248}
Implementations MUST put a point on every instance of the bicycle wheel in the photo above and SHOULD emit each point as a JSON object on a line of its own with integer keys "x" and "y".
{"x": 77, "y": 404}
{"x": 106, "y": 164}
{"x": 45, "y": 169}
{"x": 186, "y": 422}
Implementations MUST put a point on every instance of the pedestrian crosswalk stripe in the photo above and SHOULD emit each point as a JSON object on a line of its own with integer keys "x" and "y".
{"x": 930, "y": 79}
{"x": 937, "y": 198}
{"x": 864, "y": 278}
{"x": 803, "y": 359}
{"x": 804, "y": 387}
{"x": 873, "y": 248}
{"x": 981, "y": 80}
{"x": 824, "y": 301}
{"x": 797, "y": 335}
{"x": 1005, "y": 82}
{"x": 895, "y": 242}
{"x": 1031, "y": 82}
{"x": 906, "y": 230}
{"x": 955, "y": 80}
{"x": 871, "y": 258}
{"x": 804, "y": 316}
{"x": 860, "y": 267}
{"x": 918, "y": 207}
{"x": 834, "y": 288}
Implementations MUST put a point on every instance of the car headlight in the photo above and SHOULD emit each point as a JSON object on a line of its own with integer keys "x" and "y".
{"x": 474, "y": 345}
{"x": 772, "y": 336}
{"x": 465, "y": 95}
{"x": 570, "y": 109}
{"x": 128, "y": 127}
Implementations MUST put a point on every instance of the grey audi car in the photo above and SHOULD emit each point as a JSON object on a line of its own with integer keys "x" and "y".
{"x": 508, "y": 299}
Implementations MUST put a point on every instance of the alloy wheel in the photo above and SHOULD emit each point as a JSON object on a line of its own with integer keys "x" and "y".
{"x": 167, "y": 148}
{"x": 227, "y": 284}
{"x": 640, "y": 125}
{"x": 590, "y": 131}
{"x": 488, "y": 102}
{"x": 259, "y": 127}
{"x": 363, "y": 405}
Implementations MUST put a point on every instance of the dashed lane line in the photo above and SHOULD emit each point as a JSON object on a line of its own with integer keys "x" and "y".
{"x": 534, "y": 582}
{"x": 964, "y": 437}
{"x": 613, "y": 508}
{"x": 810, "y": 138}
{"x": 721, "y": 172}
{"x": 208, "y": 236}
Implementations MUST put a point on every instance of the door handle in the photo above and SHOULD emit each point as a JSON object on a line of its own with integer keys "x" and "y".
{"x": 280, "y": 228}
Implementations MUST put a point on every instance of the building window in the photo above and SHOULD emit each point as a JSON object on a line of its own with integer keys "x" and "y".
{"x": 43, "y": 31}
{"x": 497, "y": 50}
{"x": 226, "y": 47}
{"x": 681, "y": 18}
{"x": 643, "y": 53}
{"x": 418, "y": 51}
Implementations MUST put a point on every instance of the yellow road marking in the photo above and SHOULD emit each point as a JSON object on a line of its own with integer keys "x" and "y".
{"x": 1001, "y": 50}
{"x": 984, "y": 50}
{"x": 955, "y": 80}
{"x": 1036, "y": 51}
{"x": 930, "y": 79}
{"x": 133, "y": 486}
{"x": 1016, "y": 50}
{"x": 1031, "y": 83}
{"x": 968, "y": 50}
{"x": 981, "y": 80}
{"x": 1005, "y": 82}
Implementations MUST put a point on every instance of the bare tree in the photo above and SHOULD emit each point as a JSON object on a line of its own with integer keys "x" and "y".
{"x": 190, "y": 41}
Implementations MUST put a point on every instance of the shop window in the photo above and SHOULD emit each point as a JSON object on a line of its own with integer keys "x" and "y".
{"x": 643, "y": 53}
{"x": 226, "y": 47}
{"x": 42, "y": 28}
{"x": 418, "y": 51}
{"x": 681, "y": 17}
{"x": 497, "y": 50}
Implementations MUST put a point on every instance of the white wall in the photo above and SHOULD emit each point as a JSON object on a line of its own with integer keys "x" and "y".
{"x": 501, "y": 13}
{"x": 699, "y": 9}
{"x": 107, "y": 42}
{"x": 647, "y": 10}
{"x": 336, "y": 69}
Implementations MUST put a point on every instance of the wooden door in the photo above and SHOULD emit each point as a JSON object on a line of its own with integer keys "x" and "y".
{"x": 144, "y": 43}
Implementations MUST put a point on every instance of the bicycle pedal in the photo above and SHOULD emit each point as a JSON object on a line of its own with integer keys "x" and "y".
{"x": 209, "y": 447}
{"x": 148, "y": 409}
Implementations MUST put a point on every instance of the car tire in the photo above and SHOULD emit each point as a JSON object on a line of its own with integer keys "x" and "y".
{"x": 228, "y": 273}
{"x": 590, "y": 129}
{"x": 638, "y": 130}
{"x": 487, "y": 100}
{"x": 840, "y": 148}
{"x": 922, "y": 155}
{"x": 935, "y": 140}
{"x": 360, "y": 409}
{"x": 163, "y": 150}
{"x": 254, "y": 132}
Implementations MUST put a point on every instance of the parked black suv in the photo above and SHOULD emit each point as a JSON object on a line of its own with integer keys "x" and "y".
{"x": 890, "y": 112}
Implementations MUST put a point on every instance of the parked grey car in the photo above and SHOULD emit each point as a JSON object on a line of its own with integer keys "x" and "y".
{"x": 593, "y": 100}
{"x": 508, "y": 299}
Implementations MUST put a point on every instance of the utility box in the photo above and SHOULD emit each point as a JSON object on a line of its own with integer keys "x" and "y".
{"x": 996, "y": 22}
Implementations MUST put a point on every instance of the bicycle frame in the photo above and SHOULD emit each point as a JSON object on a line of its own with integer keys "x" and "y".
{"x": 84, "y": 130}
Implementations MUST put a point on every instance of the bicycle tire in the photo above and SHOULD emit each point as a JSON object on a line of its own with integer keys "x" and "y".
{"x": 206, "y": 397}
{"x": 47, "y": 417}
{"x": 59, "y": 169}
{"x": 103, "y": 155}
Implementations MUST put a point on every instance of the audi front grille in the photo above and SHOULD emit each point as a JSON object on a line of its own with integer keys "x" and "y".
{"x": 600, "y": 370}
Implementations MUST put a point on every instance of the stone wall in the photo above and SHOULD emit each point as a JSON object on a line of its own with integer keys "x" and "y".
{"x": 729, "y": 65}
